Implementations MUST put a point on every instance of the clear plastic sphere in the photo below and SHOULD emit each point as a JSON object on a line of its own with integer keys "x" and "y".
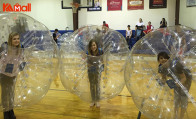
{"x": 90, "y": 77}
{"x": 161, "y": 73}
{"x": 63, "y": 38}
{"x": 27, "y": 66}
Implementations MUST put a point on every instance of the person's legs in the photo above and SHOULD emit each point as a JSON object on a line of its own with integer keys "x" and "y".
{"x": 127, "y": 39}
{"x": 7, "y": 95}
{"x": 6, "y": 115}
{"x": 130, "y": 43}
{"x": 176, "y": 102}
{"x": 12, "y": 115}
{"x": 97, "y": 85}
{"x": 145, "y": 32}
{"x": 184, "y": 104}
{"x": 183, "y": 96}
{"x": 138, "y": 34}
{"x": 92, "y": 87}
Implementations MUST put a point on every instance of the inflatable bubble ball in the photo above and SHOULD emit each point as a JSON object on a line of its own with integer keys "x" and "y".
{"x": 27, "y": 65}
{"x": 161, "y": 73}
{"x": 92, "y": 62}
{"x": 63, "y": 38}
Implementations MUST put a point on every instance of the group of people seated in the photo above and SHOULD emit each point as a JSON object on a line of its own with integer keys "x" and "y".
{"x": 141, "y": 30}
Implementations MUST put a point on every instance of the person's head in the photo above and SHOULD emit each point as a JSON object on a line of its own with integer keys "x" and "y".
{"x": 149, "y": 23}
{"x": 163, "y": 19}
{"x": 56, "y": 30}
{"x": 128, "y": 26}
{"x": 14, "y": 39}
{"x": 162, "y": 57}
{"x": 140, "y": 20}
{"x": 92, "y": 47}
{"x": 104, "y": 22}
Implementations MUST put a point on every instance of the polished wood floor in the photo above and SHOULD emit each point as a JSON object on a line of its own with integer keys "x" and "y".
{"x": 60, "y": 104}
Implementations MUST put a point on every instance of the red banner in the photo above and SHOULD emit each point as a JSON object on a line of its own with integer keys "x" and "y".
{"x": 114, "y": 5}
{"x": 135, "y": 4}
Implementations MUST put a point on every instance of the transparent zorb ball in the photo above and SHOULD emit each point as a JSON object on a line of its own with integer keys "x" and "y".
{"x": 63, "y": 38}
{"x": 27, "y": 65}
{"x": 164, "y": 87}
{"x": 93, "y": 78}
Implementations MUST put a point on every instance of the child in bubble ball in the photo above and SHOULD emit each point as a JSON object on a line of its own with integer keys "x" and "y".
{"x": 94, "y": 62}
{"x": 182, "y": 74}
{"x": 8, "y": 73}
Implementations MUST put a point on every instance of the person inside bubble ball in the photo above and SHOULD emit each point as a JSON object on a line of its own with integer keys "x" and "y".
{"x": 8, "y": 73}
{"x": 95, "y": 67}
{"x": 182, "y": 74}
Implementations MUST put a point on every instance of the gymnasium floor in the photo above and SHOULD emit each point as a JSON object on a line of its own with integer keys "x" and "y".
{"x": 60, "y": 104}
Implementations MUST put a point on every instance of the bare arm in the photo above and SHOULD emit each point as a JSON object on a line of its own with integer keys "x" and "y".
{"x": 163, "y": 79}
{"x": 183, "y": 78}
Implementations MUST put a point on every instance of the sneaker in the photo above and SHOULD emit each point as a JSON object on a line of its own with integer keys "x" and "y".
{"x": 11, "y": 114}
{"x": 6, "y": 115}
{"x": 97, "y": 104}
{"x": 92, "y": 104}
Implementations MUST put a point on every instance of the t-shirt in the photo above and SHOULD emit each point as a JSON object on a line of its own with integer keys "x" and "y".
{"x": 150, "y": 27}
{"x": 106, "y": 25}
{"x": 95, "y": 62}
{"x": 128, "y": 32}
{"x": 55, "y": 35}
{"x": 176, "y": 67}
{"x": 11, "y": 63}
{"x": 163, "y": 25}
{"x": 140, "y": 24}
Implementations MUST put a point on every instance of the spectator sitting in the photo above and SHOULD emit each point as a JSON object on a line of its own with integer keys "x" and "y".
{"x": 139, "y": 29}
{"x": 105, "y": 27}
{"x": 149, "y": 28}
{"x": 163, "y": 23}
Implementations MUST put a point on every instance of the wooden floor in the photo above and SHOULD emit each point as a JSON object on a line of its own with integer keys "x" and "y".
{"x": 60, "y": 104}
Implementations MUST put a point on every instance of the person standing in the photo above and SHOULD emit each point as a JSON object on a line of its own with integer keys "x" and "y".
{"x": 10, "y": 60}
{"x": 56, "y": 35}
{"x": 181, "y": 81}
{"x": 95, "y": 67}
{"x": 128, "y": 36}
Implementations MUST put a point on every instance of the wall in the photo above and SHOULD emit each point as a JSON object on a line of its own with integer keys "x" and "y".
{"x": 171, "y": 12}
{"x": 187, "y": 15}
{"x": 48, "y": 12}
{"x": 1, "y": 8}
{"x": 119, "y": 20}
